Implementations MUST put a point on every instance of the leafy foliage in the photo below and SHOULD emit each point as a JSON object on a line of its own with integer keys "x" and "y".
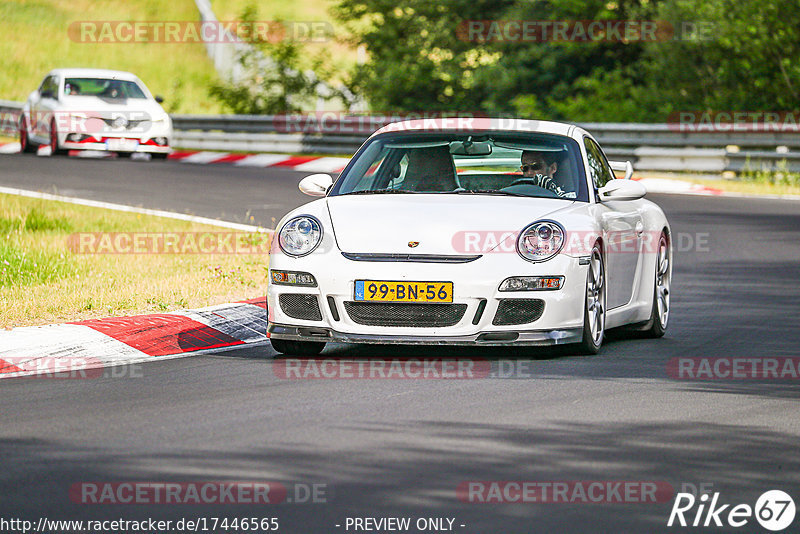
{"x": 278, "y": 79}
{"x": 729, "y": 55}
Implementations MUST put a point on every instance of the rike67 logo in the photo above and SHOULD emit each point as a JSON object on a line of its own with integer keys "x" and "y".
{"x": 774, "y": 510}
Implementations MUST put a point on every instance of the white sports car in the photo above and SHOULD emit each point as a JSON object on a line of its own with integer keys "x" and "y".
{"x": 470, "y": 232}
{"x": 93, "y": 109}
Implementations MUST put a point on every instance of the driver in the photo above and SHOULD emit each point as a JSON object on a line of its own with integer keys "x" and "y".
{"x": 539, "y": 168}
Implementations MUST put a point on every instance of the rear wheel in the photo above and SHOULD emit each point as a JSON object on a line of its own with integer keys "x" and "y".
{"x": 158, "y": 156}
{"x": 25, "y": 145}
{"x": 594, "y": 313}
{"x": 54, "y": 150}
{"x": 659, "y": 316}
{"x": 300, "y": 348}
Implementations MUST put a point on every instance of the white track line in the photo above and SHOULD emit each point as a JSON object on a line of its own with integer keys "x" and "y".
{"x": 133, "y": 209}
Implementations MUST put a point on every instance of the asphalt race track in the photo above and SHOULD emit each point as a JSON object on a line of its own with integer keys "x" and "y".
{"x": 400, "y": 448}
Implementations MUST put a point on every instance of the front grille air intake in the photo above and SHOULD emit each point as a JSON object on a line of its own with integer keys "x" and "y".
{"x": 518, "y": 311}
{"x": 406, "y": 314}
{"x": 300, "y": 306}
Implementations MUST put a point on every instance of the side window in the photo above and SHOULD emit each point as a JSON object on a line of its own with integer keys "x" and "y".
{"x": 50, "y": 84}
{"x": 598, "y": 166}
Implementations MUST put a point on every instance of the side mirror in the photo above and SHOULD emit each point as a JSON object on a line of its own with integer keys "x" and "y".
{"x": 622, "y": 190}
{"x": 621, "y": 166}
{"x": 159, "y": 99}
{"x": 316, "y": 185}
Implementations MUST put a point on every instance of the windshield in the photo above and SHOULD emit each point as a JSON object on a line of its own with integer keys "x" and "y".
{"x": 502, "y": 163}
{"x": 103, "y": 88}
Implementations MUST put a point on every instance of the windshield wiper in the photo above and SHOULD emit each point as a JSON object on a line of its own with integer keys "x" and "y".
{"x": 487, "y": 192}
{"x": 379, "y": 192}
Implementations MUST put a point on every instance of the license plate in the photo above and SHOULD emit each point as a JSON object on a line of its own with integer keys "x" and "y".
{"x": 122, "y": 144}
{"x": 385, "y": 291}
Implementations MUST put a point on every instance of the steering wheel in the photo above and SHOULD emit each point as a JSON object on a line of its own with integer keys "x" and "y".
{"x": 530, "y": 181}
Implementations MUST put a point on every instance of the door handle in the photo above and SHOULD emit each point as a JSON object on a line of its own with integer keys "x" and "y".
{"x": 639, "y": 228}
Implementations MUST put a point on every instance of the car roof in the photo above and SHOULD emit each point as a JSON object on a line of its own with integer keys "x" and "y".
{"x": 94, "y": 73}
{"x": 480, "y": 124}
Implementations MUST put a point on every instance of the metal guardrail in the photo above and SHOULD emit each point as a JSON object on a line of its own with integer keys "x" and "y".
{"x": 9, "y": 117}
{"x": 651, "y": 147}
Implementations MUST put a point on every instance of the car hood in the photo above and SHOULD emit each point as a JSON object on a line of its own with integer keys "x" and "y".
{"x": 449, "y": 224}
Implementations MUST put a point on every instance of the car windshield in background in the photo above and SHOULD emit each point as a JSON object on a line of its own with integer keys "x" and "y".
{"x": 103, "y": 88}
{"x": 513, "y": 164}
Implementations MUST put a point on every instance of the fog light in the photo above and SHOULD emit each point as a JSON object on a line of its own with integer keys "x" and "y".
{"x": 532, "y": 283}
{"x": 292, "y": 278}
{"x": 160, "y": 141}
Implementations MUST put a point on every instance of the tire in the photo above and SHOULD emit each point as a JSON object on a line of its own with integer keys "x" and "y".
{"x": 594, "y": 308}
{"x": 54, "y": 150}
{"x": 155, "y": 156}
{"x": 124, "y": 155}
{"x": 299, "y": 348}
{"x": 25, "y": 145}
{"x": 656, "y": 326}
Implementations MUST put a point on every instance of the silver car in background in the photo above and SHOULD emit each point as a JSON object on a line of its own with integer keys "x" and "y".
{"x": 94, "y": 109}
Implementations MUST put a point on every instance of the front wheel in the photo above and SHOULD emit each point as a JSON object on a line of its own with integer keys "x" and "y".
{"x": 54, "y": 150}
{"x": 299, "y": 348}
{"x": 659, "y": 316}
{"x": 25, "y": 145}
{"x": 594, "y": 313}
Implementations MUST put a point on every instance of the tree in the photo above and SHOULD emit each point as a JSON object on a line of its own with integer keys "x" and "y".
{"x": 418, "y": 60}
{"x": 277, "y": 80}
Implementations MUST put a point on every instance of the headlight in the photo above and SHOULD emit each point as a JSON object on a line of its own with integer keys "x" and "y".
{"x": 300, "y": 236}
{"x": 541, "y": 241}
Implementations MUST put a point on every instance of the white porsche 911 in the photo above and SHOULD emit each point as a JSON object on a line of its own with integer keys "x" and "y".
{"x": 94, "y": 109}
{"x": 470, "y": 232}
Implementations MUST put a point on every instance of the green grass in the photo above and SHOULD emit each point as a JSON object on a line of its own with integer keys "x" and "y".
{"x": 36, "y": 40}
{"x": 22, "y": 267}
{"x": 743, "y": 184}
{"x": 779, "y": 176}
{"x": 43, "y": 280}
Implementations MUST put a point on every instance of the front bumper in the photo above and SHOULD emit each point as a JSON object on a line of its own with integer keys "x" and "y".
{"x": 475, "y": 286}
{"x": 492, "y": 338}
{"x": 141, "y": 147}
